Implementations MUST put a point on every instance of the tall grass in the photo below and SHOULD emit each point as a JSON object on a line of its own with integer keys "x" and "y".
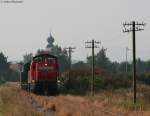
{"x": 12, "y": 103}
{"x": 123, "y": 98}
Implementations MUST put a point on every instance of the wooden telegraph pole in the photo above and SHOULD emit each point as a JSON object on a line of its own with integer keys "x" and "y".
{"x": 134, "y": 26}
{"x": 70, "y": 50}
{"x": 93, "y": 63}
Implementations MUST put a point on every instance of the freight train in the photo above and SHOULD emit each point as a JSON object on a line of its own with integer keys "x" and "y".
{"x": 40, "y": 75}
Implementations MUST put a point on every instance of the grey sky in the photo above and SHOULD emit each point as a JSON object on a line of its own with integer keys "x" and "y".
{"x": 25, "y": 27}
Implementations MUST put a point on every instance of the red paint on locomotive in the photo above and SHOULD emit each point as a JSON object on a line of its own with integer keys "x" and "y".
{"x": 44, "y": 68}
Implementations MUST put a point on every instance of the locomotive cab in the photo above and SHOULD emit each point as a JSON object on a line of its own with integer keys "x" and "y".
{"x": 43, "y": 74}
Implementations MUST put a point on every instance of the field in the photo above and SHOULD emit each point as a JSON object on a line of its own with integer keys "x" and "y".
{"x": 15, "y": 102}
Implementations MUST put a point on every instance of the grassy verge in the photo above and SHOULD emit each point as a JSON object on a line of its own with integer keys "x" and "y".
{"x": 123, "y": 98}
{"x": 12, "y": 103}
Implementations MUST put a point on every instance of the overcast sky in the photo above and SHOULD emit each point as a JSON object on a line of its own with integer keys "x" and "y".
{"x": 25, "y": 27}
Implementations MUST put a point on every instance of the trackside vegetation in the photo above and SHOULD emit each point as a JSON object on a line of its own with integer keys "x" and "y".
{"x": 6, "y": 73}
{"x": 13, "y": 103}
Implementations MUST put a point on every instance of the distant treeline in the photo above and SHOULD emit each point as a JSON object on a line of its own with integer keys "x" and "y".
{"x": 108, "y": 74}
{"x": 101, "y": 60}
{"x": 102, "y": 64}
{"x": 6, "y": 73}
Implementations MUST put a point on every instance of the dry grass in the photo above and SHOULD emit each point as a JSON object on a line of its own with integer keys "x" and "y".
{"x": 105, "y": 103}
{"x": 13, "y": 103}
{"x": 73, "y": 105}
{"x": 112, "y": 103}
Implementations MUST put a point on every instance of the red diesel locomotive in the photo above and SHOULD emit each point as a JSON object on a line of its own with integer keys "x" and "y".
{"x": 40, "y": 75}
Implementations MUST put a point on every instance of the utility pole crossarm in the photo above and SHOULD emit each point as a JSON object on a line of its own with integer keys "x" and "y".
{"x": 130, "y": 30}
{"x": 88, "y": 42}
{"x": 136, "y": 23}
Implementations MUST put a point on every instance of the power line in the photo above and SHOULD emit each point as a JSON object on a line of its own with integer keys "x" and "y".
{"x": 93, "y": 63}
{"x": 134, "y": 26}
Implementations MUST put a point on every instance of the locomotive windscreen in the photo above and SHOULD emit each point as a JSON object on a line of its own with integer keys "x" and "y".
{"x": 44, "y": 55}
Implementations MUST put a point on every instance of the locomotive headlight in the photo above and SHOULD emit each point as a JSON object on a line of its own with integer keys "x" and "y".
{"x": 45, "y": 64}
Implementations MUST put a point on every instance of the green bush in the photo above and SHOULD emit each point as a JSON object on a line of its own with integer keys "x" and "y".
{"x": 80, "y": 80}
{"x": 99, "y": 83}
{"x": 78, "y": 84}
{"x": 13, "y": 75}
{"x": 144, "y": 77}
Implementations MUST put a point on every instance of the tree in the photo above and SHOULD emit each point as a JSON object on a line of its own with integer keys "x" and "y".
{"x": 7, "y": 74}
{"x": 3, "y": 62}
{"x": 113, "y": 67}
{"x": 39, "y": 51}
{"x": 4, "y": 65}
{"x": 59, "y": 52}
{"x": 140, "y": 65}
{"x": 78, "y": 65}
{"x": 101, "y": 60}
{"x": 56, "y": 50}
{"x": 89, "y": 60}
{"x": 27, "y": 57}
{"x": 122, "y": 67}
{"x": 63, "y": 60}
{"x": 147, "y": 65}
{"x": 50, "y": 41}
